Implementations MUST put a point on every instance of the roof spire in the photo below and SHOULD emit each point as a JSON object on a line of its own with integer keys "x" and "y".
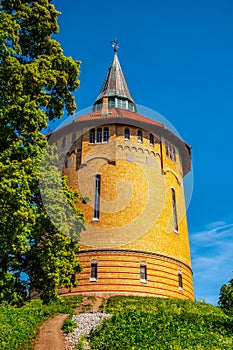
{"x": 115, "y": 45}
{"x": 114, "y": 92}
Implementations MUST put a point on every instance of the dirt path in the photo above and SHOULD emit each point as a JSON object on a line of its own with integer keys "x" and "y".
{"x": 51, "y": 336}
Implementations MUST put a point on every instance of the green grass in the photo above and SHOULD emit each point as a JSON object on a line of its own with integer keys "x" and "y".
{"x": 69, "y": 325}
{"x": 163, "y": 324}
{"x": 19, "y": 326}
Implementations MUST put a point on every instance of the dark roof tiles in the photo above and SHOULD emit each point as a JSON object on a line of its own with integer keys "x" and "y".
{"x": 114, "y": 83}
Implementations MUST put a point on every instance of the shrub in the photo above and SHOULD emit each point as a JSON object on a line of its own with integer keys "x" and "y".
{"x": 159, "y": 324}
{"x": 19, "y": 326}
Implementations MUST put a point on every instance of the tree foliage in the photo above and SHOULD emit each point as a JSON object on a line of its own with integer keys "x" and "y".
{"x": 36, "y": 85}
{"x": 226, "y": 297}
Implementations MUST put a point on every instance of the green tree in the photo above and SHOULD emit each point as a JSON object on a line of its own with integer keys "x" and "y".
{"x": 36, "y": 85}
{"x": 226, "y": 297}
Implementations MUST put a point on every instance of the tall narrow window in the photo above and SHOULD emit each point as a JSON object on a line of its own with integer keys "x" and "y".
{"x": 127, "y": 134}
{"x": 174, "y": 153}
{"x": 94, "y": 270}
{"x": 73, "y": 138}
{"x": 99, "y": 135}
{"x": 78, "y": 158}
{"x": 63, "y": 145}
{"x": 152, "y": 141}
{"x": 92, "y": 136}
{"x": 111, "y": 102}
{"x": 167, "y": 149}
{"x": 174, "y": 210}
{"x": 180, "y": 280}
{"x": 106, "y": 134}
{"x": 139, "y": 136}
{"x": 143, "y": 272}
{"x": 97, "y": 198}
{"x": 170, "y": 151}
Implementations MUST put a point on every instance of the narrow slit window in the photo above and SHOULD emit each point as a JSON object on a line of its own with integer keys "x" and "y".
{"x": 97, "y": 198}
{"x": 139, "y": 136}
{"x": 174, "y": 210}
{"x": 78, "y": 158}
{"x": 170, "y": 151}
{"x": 143, "y": 272}
{"x": 174, "y": 153}
{"x": 99, "y": 135}
{"x": 92, "y": 136}
{"x": 167, "y": 149}
{"x": 94, "y": 271}
{"x": 152, "y": 141}
{"x": 127, "y": 134}
{"x": 106, "y": 134}
{"x": 180, "y": 280}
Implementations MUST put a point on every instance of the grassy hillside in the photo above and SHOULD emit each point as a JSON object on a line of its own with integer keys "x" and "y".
{"x": 151, "y": 323}
{"x": 136, "y": 324}
{"x": 19, "y": 326}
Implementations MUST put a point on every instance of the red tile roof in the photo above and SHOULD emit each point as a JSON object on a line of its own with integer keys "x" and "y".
{"x": 124, "y": 114}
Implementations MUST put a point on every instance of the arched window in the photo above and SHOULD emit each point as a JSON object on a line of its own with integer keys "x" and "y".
{"x": 174, "y": 210}
{"x": 152, "y": 141}
{"x": 92, "y": 136}
{"x": 99, "y": 135}
{"x": 127, "y": 134}
{"x": 97, "y": 198}
{"x": 139, "y": 136}
{"x": 63, "y": 145}
{"x": 106, "y": 134}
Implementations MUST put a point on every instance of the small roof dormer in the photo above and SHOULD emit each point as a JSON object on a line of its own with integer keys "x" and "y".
{"x": 114, "y": 92}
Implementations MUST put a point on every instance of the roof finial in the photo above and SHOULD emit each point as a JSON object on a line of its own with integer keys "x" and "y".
{"x": 115, "y": 45}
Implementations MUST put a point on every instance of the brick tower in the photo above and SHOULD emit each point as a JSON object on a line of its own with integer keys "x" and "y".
{"x": 132, "y": 169}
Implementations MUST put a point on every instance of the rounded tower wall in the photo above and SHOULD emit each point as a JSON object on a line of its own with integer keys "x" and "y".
{"x": 132, "y": 168}
{"x": 136, "y": 219}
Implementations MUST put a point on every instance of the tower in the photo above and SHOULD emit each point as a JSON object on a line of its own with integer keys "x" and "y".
{"x": 132, "y": 169}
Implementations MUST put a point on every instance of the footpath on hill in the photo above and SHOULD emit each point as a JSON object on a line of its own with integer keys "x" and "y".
{"x": 51, "y": 336}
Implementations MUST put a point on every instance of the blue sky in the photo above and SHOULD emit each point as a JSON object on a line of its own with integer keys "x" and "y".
{"x": 177, "y": 57}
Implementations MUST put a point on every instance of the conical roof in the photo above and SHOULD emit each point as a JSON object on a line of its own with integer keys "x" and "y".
{"x": 115, "y": 84}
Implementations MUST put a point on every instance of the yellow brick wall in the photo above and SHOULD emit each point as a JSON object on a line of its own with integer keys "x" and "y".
{"x": 135, "y": 214}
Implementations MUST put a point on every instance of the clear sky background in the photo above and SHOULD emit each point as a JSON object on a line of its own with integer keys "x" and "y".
{"x": 177, "y": 58}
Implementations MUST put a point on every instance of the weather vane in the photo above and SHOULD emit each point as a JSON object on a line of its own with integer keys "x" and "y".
{"x": 115, "y": 45}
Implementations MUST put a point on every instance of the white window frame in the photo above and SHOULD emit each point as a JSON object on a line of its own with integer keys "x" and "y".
{"x": 143, "y": 274}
